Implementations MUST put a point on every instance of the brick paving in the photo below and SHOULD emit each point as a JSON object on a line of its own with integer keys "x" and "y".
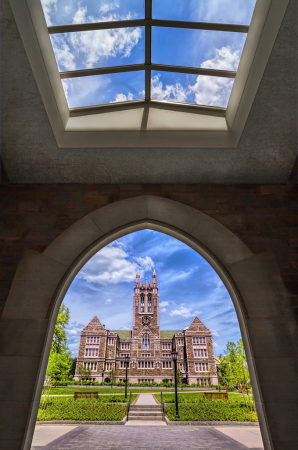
{"x": 144, "y": 438}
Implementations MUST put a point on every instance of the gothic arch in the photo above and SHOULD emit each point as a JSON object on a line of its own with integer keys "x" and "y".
{"x": 253, "y": 281}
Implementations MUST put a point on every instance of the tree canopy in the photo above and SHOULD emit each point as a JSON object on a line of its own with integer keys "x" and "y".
{"x": 233, "y": 366}
{"x": 60, "y": 361}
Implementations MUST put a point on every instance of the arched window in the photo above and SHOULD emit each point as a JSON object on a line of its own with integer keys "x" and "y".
{"x": 149, "y": 303}
{"x": 146, "y": 342}
{"x": 142, "y": 303}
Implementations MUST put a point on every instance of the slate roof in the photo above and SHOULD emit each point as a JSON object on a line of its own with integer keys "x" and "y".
{"x": 168, "y": 334}
{"x": 122, "y": 333}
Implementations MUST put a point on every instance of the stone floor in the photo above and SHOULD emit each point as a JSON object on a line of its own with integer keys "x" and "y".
{"x": 111, "y": 437}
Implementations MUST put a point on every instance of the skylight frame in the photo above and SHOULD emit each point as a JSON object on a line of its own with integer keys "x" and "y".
{"x": 166, "y": 128}
{"x": 148, "y": 66}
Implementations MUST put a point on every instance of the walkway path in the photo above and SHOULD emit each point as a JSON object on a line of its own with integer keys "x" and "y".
{"x": 110, "y": 437}
{"x": 145, "y": 399}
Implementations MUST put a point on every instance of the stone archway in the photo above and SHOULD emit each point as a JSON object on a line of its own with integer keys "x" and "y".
{"x": 253, "y": 281}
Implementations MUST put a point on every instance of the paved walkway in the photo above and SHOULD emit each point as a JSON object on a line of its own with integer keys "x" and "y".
{"x": 145, "y": 399}
{"x": 110, "y": 437}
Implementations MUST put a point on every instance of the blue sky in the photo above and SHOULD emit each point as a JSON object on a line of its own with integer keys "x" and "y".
{"x": 188, "y": 287}
{"x": 123, "y": 46}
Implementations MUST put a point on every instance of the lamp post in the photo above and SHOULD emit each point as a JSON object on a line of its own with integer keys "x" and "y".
{"x": 102, "y": 375}
{"x": 126, "y": 359}
{"x": 174, "y": 356}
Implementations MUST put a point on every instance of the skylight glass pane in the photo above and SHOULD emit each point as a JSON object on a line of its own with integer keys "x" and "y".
{"x": 100, "y": 48}
{"x": 193, "y": 89}
{"x": 102, "y": 89}
{"x": 214, "y": 11}
{"x": 197, "y": 48}
{"x": 67, "y": 12}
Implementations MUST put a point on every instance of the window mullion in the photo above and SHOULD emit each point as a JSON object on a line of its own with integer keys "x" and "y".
{"x": 148, "y": 16}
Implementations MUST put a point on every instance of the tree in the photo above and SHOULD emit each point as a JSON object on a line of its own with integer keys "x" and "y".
{"x": 234, "y": 366}
{"x": 59, "y": 343}
{"x": 60, "y": 361}
{"x": 83, "y": 372}
{"x": 58, "y": 367}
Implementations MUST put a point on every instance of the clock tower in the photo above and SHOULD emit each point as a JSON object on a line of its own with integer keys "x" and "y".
{"x": 145, "y": 306}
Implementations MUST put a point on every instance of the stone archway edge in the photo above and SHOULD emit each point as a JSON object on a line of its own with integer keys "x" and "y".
{"x": 253, "y": 281}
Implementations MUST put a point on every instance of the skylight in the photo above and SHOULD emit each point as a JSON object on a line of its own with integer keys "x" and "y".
{"x": 130, "y": 51}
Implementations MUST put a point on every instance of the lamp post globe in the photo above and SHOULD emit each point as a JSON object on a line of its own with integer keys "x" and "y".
{"x": 126, "y": 360}
{"x": 174, "y": 357}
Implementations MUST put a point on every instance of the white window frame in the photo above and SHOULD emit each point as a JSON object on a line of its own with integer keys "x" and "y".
{"x": 167, "y": 129}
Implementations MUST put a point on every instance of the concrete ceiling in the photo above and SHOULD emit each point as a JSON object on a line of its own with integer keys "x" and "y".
{"x": 265, "y": 154}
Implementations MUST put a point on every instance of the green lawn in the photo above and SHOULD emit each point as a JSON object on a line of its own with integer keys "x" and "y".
{"x": 71, "y": 391}
{"x": 66, "y": 408}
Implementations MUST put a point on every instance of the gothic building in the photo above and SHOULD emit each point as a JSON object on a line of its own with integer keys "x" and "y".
{"x": 149, "y": 349}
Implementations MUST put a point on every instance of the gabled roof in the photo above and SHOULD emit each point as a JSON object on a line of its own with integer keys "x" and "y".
{"x": 195, "y": 323}
{"x": 94, "y": 324}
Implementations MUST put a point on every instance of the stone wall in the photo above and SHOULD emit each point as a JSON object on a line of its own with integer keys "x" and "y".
{"x": 263, "y": 217}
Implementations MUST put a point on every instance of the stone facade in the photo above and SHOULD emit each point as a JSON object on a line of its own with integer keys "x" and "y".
{"x": 148, "y": 348}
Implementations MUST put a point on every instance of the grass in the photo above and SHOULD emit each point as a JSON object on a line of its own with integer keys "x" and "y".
{"x": 82, "y": 409}
{"x": 71, "y": 391}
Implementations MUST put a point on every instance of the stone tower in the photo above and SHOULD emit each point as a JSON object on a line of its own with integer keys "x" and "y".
{"x": 145, "y": 306}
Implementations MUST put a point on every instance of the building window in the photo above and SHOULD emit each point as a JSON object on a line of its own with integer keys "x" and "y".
{"x": 111, "y": 341}
{"x": 146, "y": 355}
{"x": 86, "y": 351}
{"x": 123, "y": 364}
{"x": 197, "y": 367}
{"x": 125, "y": 346}
{"x": 142, "y": 303}
{"x": 124, "y": 354}
{"x": 146, "y": 342}
{"x": 166, "y": 355}
{"x": 166, "y": 346}
{"x": 180, "y": 341}
{"x": 167, "y": 364}
{"x": 149, "y": 303}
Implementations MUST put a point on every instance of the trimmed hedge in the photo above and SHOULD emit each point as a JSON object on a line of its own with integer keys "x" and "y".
{"x": 81, "y": 409}
{"x": 214, "y": 411}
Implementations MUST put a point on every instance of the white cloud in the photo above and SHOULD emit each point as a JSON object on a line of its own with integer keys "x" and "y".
{"x": 80, "y": 16}
{"x": 215, "y": 344}
{"x": 216, "y": 90}
{"x": 174, "y": 92}
{"x": 225, "y": 59}
{"x": 108, "y": 300}
{"x": 48, "y": 6}
{"x": 146, "y": 263}
{"x": 214, "y": 332}
{"x": 185, "y": 311}
{"x": 163, "y": 309}
{"x": 111, "y": 266}
{"x": 123, "y": 98}
{"x": 163, "y": 304}
{"x": 65, "y": 58}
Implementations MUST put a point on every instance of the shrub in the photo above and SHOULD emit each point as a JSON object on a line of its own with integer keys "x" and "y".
{"x": 81, "y": 409}
{"x": 207, "y": 411}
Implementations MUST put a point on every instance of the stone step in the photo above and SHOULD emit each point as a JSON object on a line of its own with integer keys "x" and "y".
{"x": 145, "y": 413}
{"x": 144, "y": 418}
{"x": 145, "y": 407}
